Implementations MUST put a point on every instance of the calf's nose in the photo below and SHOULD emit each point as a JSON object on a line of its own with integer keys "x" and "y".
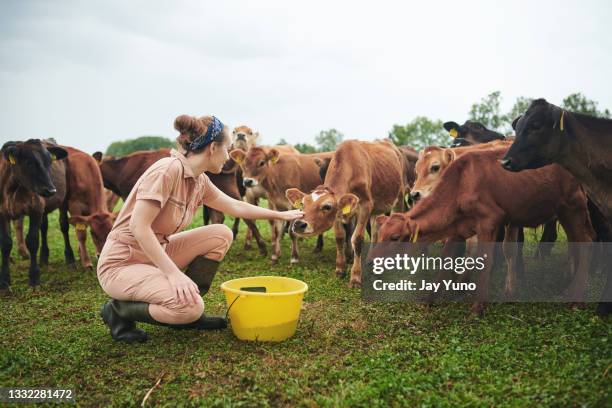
{"x": 415, "y": 196}
{"x": 507, "y": 164}
{"x": 48, "y": 192}
{"x": 299, "y": 225}
{"x": 247, "y": 182}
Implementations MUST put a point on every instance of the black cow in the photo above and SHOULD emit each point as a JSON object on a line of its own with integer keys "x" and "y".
{"x": 471, "y": 133}
{"x": 582, "y": 144}
{"x": 28, "y": 182}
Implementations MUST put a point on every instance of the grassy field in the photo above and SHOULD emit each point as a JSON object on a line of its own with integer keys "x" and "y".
{"x": 346, "y": 352}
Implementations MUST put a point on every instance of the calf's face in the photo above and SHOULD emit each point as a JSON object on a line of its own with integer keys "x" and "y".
{"x": 256, "y": 164}
{"x": 540, "y": 137}
{"x": 321, "y": 209}
{"x": 393, "y": 228}
{"x": 31, "y": 162}
{"x": 243, "y": 138}
{"x": 432, "y": 161}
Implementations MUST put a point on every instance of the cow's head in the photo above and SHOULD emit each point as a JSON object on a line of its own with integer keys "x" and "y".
{"x": 471, "y": 133}
{"x": 395, "y": 228}
{"x": 321, "y": 209}
{"x": 541, "y": 137}
{"x": 244, "y": 138}
{"x": 31, "y": 162}
{"x": 100, "y": 226}
{"x": 432, "y": 161}
{"x": 256, "y": 163}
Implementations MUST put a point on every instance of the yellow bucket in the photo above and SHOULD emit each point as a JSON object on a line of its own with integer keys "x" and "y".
{"x": 264, "y": 316}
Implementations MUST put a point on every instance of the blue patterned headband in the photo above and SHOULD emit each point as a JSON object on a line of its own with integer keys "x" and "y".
{"x": 212, "y": 133}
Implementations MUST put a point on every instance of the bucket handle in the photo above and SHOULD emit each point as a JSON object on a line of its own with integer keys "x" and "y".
{"x": 230, "y": 306}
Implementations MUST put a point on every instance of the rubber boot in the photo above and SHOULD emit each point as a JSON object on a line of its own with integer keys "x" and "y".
{"x": 139, "y": 312}
{"x": 121, "y": 329}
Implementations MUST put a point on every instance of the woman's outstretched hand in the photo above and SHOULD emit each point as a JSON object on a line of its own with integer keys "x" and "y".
{"x": 290, "y": 215}
{"x": 184, "y": 289}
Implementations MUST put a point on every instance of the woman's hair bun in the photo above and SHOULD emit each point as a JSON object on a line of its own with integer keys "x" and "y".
{"x": 189, "y": 125}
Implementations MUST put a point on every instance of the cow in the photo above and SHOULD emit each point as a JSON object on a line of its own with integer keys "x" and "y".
{"x": 86, "y": 204}
{"x": 275, "y": 173}
{"x": 244, "y": 138}
{"x": 471, "y": 132}
{"x": 364, "y": 179}
{"x": 476, "y": 196}
{"x": 582, "y": 144}
{"x": 30, "y": 174}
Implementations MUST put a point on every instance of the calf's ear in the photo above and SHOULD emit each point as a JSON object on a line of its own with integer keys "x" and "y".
{"x": 9, "y": 150}
{"x": 273, "y": 156}
{"x": 452, "y": 128}
{"x": 515, "y": 121}
{"x": 448, "y": 155}
{"x": 238, "y": 155}
{"x": 57, "y": 152}
{"x": 97, "y": 156}
{"x": 295, "y": 197}
{"x": 347, "y": 204}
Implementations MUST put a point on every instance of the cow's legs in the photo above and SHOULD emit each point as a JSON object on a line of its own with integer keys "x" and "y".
{"x": 295, "y": 256}
{"x": 83, "y": 255}
{"x": 32, "y": 242}
{"x": 252, "y": 229}
{"x": 348, "y": 249}
{"x": 319, "y": 247}
{"x": 276, "y": 236}
{"x": 510, "y": 249}
{"x": 235, "y": 227}
{"x": 340, "y": 235}
{"x": 548, "y": 239}
{"x": 6, "y": 244}
{"x": 44, "y": 247}
{"x": 65, "y": 228}
{"x": 21, "y": 246}
{"x": 253, "y": 200}
{"x": 487, "y": 232}
{"x": 363, "y": 215}
{"x": 578, "y": 230}
{"x": 374, "y": 229}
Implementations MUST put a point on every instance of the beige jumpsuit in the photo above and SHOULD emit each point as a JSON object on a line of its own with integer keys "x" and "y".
{"x": 126, "y": 273}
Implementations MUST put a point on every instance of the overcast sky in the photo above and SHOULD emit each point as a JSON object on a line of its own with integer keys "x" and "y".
{"x": 92, "y": 72}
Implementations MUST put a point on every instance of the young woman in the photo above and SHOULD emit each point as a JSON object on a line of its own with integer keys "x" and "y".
{"x": 140, "y": 264}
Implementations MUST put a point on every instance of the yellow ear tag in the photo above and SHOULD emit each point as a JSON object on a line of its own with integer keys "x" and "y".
{"x": 12, "y": 159}
{"x": 298, "y": 204}
{"x": 346, "y": 209}
{"x": 453, "y": 132}
{"x": 561, "y": 121}
{"x": 238, "y": 160}
{"x": 81, "y": 227}
{"x": 416, "y": 234}
{"x": 53, "y": 157}
{"x": 274, "y": 159}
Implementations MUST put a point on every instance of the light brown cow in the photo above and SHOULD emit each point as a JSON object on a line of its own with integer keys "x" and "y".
{"x": 86, "y": 203}
{"x": 275, "y": 173}
{"x": 476, "y": 196}
{"x": 243, "y": 137}
{"x": 363, "y": 179}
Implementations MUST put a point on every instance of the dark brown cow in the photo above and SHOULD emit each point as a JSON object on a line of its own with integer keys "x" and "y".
{"x": 476, "y": 196}
{"x": 363, "y": 179}
{"x": 275, "y": 173}
{"x": 30, "y": 175}
{"x": 86, "y": 203}
{"x": 582, "y": 144}
{"x": 470, "y": 133}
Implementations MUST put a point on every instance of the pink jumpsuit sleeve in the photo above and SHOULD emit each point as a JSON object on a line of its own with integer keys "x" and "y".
{"x": 155, "y": 186}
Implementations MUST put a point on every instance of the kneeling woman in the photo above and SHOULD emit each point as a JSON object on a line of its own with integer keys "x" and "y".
{"x": 140, "y": 264}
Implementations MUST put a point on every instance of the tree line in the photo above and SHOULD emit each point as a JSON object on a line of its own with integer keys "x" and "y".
{"x": 418, "y": 133}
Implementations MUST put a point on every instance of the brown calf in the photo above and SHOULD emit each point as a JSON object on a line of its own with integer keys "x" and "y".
{"x": 476, "y": 196}
{"x": 275, "y": 173}
{"x": 363, "y": 179}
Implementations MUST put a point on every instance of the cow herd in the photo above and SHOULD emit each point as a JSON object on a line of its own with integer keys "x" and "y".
{"x": 486, "y": 187}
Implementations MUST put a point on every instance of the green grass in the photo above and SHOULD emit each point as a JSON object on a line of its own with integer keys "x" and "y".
{"x": 346, "y": 352}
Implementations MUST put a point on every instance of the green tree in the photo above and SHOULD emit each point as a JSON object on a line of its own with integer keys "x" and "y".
{"x": 282, "y": 142}
{"x": 125, "y": 147}
{"x": 577, "y": 102}
{"x": 305, "y": 148}
{"x": 519, "y": 107}
{"x": 420, "y": 133}
{"x": 487, "y": 111}
{"x": 327, "y": 140}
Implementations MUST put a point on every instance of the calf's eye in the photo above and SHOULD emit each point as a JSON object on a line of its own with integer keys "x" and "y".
{"x": 326, "y": 207}
{"x": 435, "y": 168}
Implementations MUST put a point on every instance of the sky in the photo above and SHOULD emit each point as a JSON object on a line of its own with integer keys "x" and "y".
{"x": 92, "y": 72}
